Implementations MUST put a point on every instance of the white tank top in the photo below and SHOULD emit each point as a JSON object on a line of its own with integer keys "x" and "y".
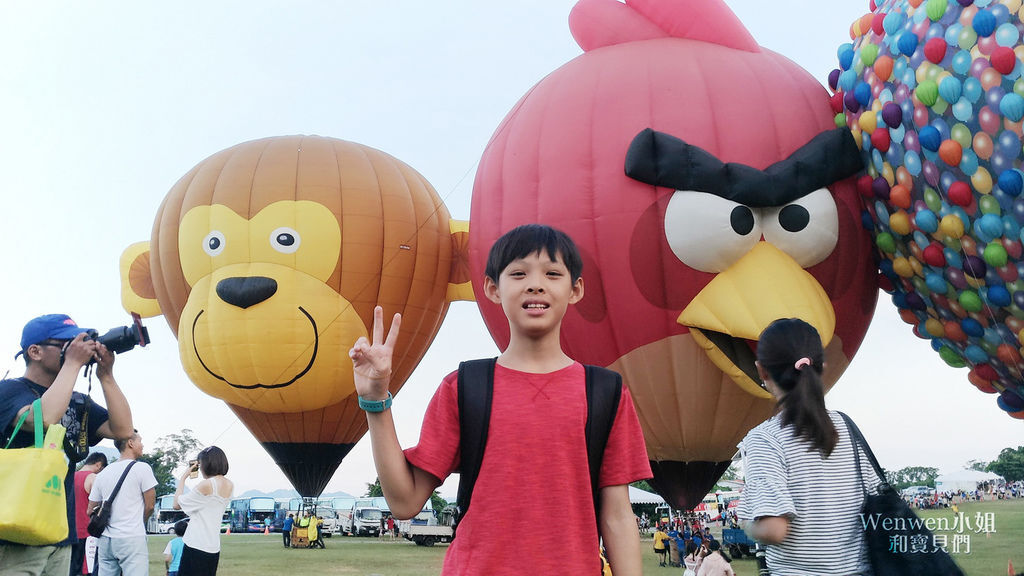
{"x": 205, "y": 513}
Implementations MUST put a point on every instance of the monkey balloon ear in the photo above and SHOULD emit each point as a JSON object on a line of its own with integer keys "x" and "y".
{"x": 459, "y": 285}
{"x": 137, "y": 293}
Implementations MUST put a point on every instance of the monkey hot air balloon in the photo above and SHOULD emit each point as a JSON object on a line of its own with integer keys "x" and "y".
{"x": 707, "y": 186}
{"x": 267, "y": 260}
{"x": 933, "y": 93}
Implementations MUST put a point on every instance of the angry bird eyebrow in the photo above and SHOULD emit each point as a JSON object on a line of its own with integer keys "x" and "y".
{"x": 661, "y": 159}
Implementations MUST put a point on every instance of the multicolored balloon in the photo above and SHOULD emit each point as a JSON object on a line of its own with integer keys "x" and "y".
{"x": 933, "y": 92}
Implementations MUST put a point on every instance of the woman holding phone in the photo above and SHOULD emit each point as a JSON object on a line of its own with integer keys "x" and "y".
{"x": 204, "y": 505}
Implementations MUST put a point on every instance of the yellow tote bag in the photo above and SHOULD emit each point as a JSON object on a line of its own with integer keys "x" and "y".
{"x": 33, "y": 508}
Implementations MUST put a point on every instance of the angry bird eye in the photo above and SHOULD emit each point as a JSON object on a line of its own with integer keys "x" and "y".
{"x": 806, "y": 229}
{"x": 285, "y": 240}
{"x": 708, "y": 232}
{"x": 794, "y": 218}
{"x": 213, "y": 244}
{"x": 742, "y": 220}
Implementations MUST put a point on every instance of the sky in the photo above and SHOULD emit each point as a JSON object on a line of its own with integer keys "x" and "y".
{"x": 103, "y": 106}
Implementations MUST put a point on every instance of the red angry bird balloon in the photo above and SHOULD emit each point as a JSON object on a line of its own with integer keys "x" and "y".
{"x": 707, "y": 187}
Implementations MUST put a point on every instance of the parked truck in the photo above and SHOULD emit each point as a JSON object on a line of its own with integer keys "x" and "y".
{"x": 326, "y": 512}
{"x": 425, "y": 530}
{"x": 362, "y": 519}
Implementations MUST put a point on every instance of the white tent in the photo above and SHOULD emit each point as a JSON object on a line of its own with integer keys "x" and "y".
{"x": 964, "y": 480}
{"x": 638, "y": 496}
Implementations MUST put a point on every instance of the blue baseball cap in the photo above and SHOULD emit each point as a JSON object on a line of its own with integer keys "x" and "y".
{"x": 55, "y": 326}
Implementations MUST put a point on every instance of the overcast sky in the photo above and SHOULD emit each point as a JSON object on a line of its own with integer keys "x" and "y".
{"x": 103, "y": 106}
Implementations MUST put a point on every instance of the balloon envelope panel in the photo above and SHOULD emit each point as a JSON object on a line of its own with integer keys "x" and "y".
{"x": 934, "y": 94}
{"x": 558, "y": 158}
{"x": 267, "y": 260}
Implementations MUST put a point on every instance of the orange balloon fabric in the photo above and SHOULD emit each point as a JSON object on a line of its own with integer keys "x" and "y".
{"x": 267, "y": 260}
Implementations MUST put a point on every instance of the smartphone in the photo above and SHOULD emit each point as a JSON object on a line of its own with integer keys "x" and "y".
{"x": 193, "y": 466}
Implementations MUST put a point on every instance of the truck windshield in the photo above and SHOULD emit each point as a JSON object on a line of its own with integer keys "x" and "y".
{"x": 371, "y": 515}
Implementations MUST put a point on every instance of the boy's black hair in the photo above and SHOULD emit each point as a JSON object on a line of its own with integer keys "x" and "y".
{"x": 527, "y": 239}
{"x": 180, "y": 526}
{"x": 95, "y": 457}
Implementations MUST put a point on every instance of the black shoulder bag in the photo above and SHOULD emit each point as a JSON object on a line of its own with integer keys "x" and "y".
{"x": 100, "y": 517}
{"x": 898, "y": 542}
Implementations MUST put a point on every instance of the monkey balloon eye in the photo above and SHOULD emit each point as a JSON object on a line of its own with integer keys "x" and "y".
{"x": 213, "y": 244}
{"x": 285, "y": 240}
{"x": 707, "y": 232}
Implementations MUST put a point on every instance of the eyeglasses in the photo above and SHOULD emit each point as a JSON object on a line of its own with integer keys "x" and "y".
{"x": 55, "y": 344}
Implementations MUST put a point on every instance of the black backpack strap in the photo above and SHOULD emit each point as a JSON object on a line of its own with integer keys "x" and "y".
{"x": 475, "y": 391}
{"x": 604, "y": 389}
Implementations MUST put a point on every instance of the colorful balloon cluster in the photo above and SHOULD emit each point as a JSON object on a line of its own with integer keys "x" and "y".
{"x": 933, "y": 91}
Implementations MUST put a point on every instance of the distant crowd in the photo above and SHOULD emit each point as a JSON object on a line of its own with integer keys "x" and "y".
{"x": 985, "y": 491}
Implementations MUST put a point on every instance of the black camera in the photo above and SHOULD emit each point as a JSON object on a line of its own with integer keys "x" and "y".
{"x": 122, "y": 338}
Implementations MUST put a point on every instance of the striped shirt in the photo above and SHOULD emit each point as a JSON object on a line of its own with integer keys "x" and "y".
{"x": 821, "y": 496}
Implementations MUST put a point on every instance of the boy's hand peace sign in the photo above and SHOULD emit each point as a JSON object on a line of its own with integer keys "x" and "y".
{"x": 371, "y": 361}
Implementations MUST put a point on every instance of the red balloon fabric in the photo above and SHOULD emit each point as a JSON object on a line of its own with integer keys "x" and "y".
{"x": 558, "y": 158}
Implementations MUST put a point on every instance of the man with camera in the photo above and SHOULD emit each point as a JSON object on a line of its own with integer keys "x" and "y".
{"x": 55, "y": 351}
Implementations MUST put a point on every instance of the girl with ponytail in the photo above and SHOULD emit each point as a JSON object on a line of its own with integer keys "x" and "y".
{"x": 790, "y": 358}
{"x": 803, "y": 495}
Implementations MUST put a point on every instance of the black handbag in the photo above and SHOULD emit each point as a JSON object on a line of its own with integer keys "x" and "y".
{"x": 898, "y": 542}
{"x": 100, "y": 517}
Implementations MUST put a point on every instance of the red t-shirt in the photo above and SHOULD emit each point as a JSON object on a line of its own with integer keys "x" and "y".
{"x": 81, "y": 502}
{"x": 532, "y": 510}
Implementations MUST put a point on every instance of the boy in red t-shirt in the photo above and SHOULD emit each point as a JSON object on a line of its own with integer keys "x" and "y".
{"x": 532, "y": 507}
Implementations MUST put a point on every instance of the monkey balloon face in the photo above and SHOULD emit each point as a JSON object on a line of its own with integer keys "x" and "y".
{"x": 268, "y": 259}
{"x": 262, "y": 281}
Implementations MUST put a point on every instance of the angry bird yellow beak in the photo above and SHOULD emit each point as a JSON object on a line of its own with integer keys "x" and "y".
{"x": 728, "y": 315}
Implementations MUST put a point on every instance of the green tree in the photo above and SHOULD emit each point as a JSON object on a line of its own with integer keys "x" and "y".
{"x": 643, "y": 485}
{"x": 170, "y": 452}
{"x": 733, "y": 472}
{"x": 640, "y": 509}
{"x": 912, "y": 476}
{"x": 1009, "y": 464}
{"x": 437, "y": 503}
{"x": 979, "y": 465}
{"x": 373, "y": 490}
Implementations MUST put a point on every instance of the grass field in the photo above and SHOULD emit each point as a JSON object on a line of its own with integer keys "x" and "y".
{"x": 246, "y": 554}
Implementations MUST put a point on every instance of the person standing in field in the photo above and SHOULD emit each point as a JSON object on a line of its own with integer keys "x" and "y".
{"x": 94, "y": 463}
{"x": 660, "y": 545}
{"x": 536, "y": 429}
{"x": 204, "y": 506}
{"x": 122, "y": 548}
{"x": 286, "y": 530}
{"x": 803, "y": 491}
{"x": 172, "y": 552}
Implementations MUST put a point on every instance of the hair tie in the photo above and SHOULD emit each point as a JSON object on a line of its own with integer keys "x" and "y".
{"x": 805, "y": 361}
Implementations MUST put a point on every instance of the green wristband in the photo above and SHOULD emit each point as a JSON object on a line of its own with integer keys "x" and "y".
{"x": 375, "y": 405}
